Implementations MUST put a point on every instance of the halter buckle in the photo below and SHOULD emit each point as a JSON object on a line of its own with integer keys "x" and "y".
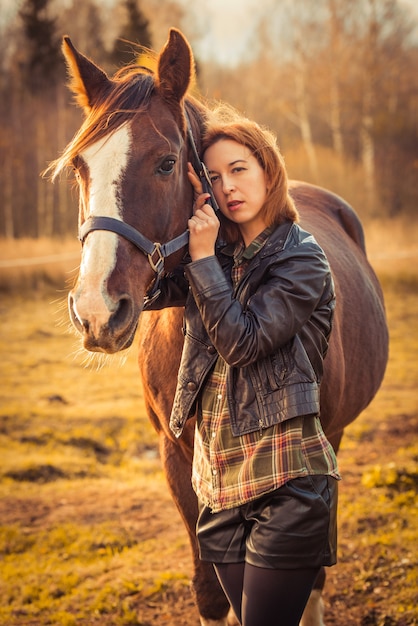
{"x": 158, "y": 264}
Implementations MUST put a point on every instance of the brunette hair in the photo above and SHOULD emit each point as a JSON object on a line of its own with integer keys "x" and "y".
{"x": 224, "y": 122}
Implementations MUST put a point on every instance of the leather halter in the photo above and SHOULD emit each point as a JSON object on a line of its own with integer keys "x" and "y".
{"x": 156, "y": 252}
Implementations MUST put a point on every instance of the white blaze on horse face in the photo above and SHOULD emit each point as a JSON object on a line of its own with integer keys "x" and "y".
{"x": 106, "y": 161}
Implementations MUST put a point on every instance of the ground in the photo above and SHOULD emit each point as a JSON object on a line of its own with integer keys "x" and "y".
{"x": 360, "y": 590}
{"x": 88, "y": 531}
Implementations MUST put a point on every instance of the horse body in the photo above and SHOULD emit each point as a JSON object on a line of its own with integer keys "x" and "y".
{"x": 131, "y": 160}
{"x": 357, "y": 356}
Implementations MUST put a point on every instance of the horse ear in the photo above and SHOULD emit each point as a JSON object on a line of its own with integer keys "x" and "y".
{"x": 87, "y": 81}
{"x": 175, "y": 65}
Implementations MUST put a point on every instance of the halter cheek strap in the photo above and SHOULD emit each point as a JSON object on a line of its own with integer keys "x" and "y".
{"x": 200, "y": 168}
{"x": 156, "y": 252}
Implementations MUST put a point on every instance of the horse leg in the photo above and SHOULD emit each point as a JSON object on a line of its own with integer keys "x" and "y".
{"x": 211, "y": 601}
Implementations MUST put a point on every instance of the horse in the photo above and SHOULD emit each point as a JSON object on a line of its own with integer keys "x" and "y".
{"x": 130, "y": 159}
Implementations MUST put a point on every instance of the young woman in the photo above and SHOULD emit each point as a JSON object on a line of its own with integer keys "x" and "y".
{"x": 257, "y": 321}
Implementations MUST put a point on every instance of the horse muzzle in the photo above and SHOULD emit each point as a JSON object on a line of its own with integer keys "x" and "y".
{"x": 108, "y": 328}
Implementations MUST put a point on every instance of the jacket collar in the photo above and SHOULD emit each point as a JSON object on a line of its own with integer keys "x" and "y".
{"x": 275, "y": 242}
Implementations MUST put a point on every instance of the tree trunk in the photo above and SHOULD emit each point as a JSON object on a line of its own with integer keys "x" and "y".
{"x": 9, "y": 229}
{"x": 63, "y": 207}
{"x": 335, "y": 103}
{"x": 304, "y": 122}
{"x": 368, "y": 157}
{"x": 44, "y": 196}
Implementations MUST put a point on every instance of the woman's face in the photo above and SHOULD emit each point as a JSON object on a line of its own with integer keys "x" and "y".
{"x": 239, "y": 184}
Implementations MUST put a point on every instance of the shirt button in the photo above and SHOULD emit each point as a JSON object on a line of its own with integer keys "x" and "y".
{"x": 213, "y": 434}
{"x": 214, "y": 472}
{"x": 191, "y": 386}
{"x": 219, "y": 396}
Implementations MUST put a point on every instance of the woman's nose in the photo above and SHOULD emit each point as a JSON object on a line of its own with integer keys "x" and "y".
{"x": 227, "y": 185}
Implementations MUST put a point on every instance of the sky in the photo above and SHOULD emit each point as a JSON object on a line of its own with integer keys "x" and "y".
{"x": 229, "y": 25}
{"x": 226, "y": 26}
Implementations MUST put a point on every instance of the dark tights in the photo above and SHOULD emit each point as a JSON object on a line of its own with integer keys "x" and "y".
{"x": 269, "y": 597}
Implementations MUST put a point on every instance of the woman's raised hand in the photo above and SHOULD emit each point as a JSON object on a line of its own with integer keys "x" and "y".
{"x": 203, "y": 225}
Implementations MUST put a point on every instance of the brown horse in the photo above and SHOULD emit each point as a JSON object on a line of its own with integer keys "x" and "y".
{"x": 130, "y": 158}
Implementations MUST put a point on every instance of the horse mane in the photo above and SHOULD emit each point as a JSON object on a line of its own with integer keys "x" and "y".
{"x": 131, "y": 92}
{"x": 132, "y": 88}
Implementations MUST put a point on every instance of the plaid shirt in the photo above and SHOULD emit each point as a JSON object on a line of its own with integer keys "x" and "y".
{"x": 229, "y": 471}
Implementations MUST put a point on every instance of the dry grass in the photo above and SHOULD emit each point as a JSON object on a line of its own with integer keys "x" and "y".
{"x": 88, "y": 533}
{"x": 392, "y": 247}
{"x": 43, "y": 264}
{"x": 38, "y": 264}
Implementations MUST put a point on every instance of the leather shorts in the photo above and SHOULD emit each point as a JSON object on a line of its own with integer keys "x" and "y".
{"x": 293, "y": 527}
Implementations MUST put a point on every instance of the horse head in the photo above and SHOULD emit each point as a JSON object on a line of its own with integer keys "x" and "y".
{"x": 130, "y": 161}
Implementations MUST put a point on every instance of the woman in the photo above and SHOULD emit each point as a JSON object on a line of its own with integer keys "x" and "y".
{"x": 257, "y": 321}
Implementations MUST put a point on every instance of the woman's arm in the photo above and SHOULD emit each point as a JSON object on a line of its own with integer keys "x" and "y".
{"x": 281, "y": 303}
{"x": 173, "y": 291}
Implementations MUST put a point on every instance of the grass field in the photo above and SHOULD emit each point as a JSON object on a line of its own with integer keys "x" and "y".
{"x": 88, "y": 533}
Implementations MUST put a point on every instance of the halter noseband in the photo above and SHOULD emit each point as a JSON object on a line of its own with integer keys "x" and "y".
{"x": 156, "y": 252}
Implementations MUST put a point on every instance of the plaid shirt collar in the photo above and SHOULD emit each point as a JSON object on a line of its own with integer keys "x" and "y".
{"x": 241, "y": 252}
{"x": 243, "y": 255}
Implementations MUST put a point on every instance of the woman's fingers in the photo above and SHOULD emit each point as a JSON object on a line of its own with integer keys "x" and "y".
{"x": 204, "y": 224}
{"x": 194, "y": 179}
{"x": 200, "y": 198}
{"x": 200, "y": 202}
{"x": 205, "y": 212}
{"x": 204, "y": 219}
{"x": 203, "y": 229}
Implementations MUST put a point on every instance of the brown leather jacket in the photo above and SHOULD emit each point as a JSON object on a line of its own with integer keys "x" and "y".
{"x": 272, "y": 330}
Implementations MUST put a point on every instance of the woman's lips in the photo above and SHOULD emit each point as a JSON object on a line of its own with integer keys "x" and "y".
{"x": 234, "y": 205}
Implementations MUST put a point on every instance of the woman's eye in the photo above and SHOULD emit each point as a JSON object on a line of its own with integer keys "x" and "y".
{"x": 214, "y": 179}
{"x": 167, "y": 166}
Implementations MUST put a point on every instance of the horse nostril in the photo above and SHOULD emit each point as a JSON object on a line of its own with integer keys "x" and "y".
{"x": 80, "y": 324}
{"x": 122, "y": 316}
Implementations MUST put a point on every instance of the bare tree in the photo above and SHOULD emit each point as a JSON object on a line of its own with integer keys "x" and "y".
{"x": 135, "y": 30}
{"x": 336, "y": 66}
{"x": 335, "y": 80}
{"x": 83, "y": 21}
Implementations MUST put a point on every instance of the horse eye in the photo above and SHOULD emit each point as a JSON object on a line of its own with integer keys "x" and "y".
{"x": 167, "y": 166}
